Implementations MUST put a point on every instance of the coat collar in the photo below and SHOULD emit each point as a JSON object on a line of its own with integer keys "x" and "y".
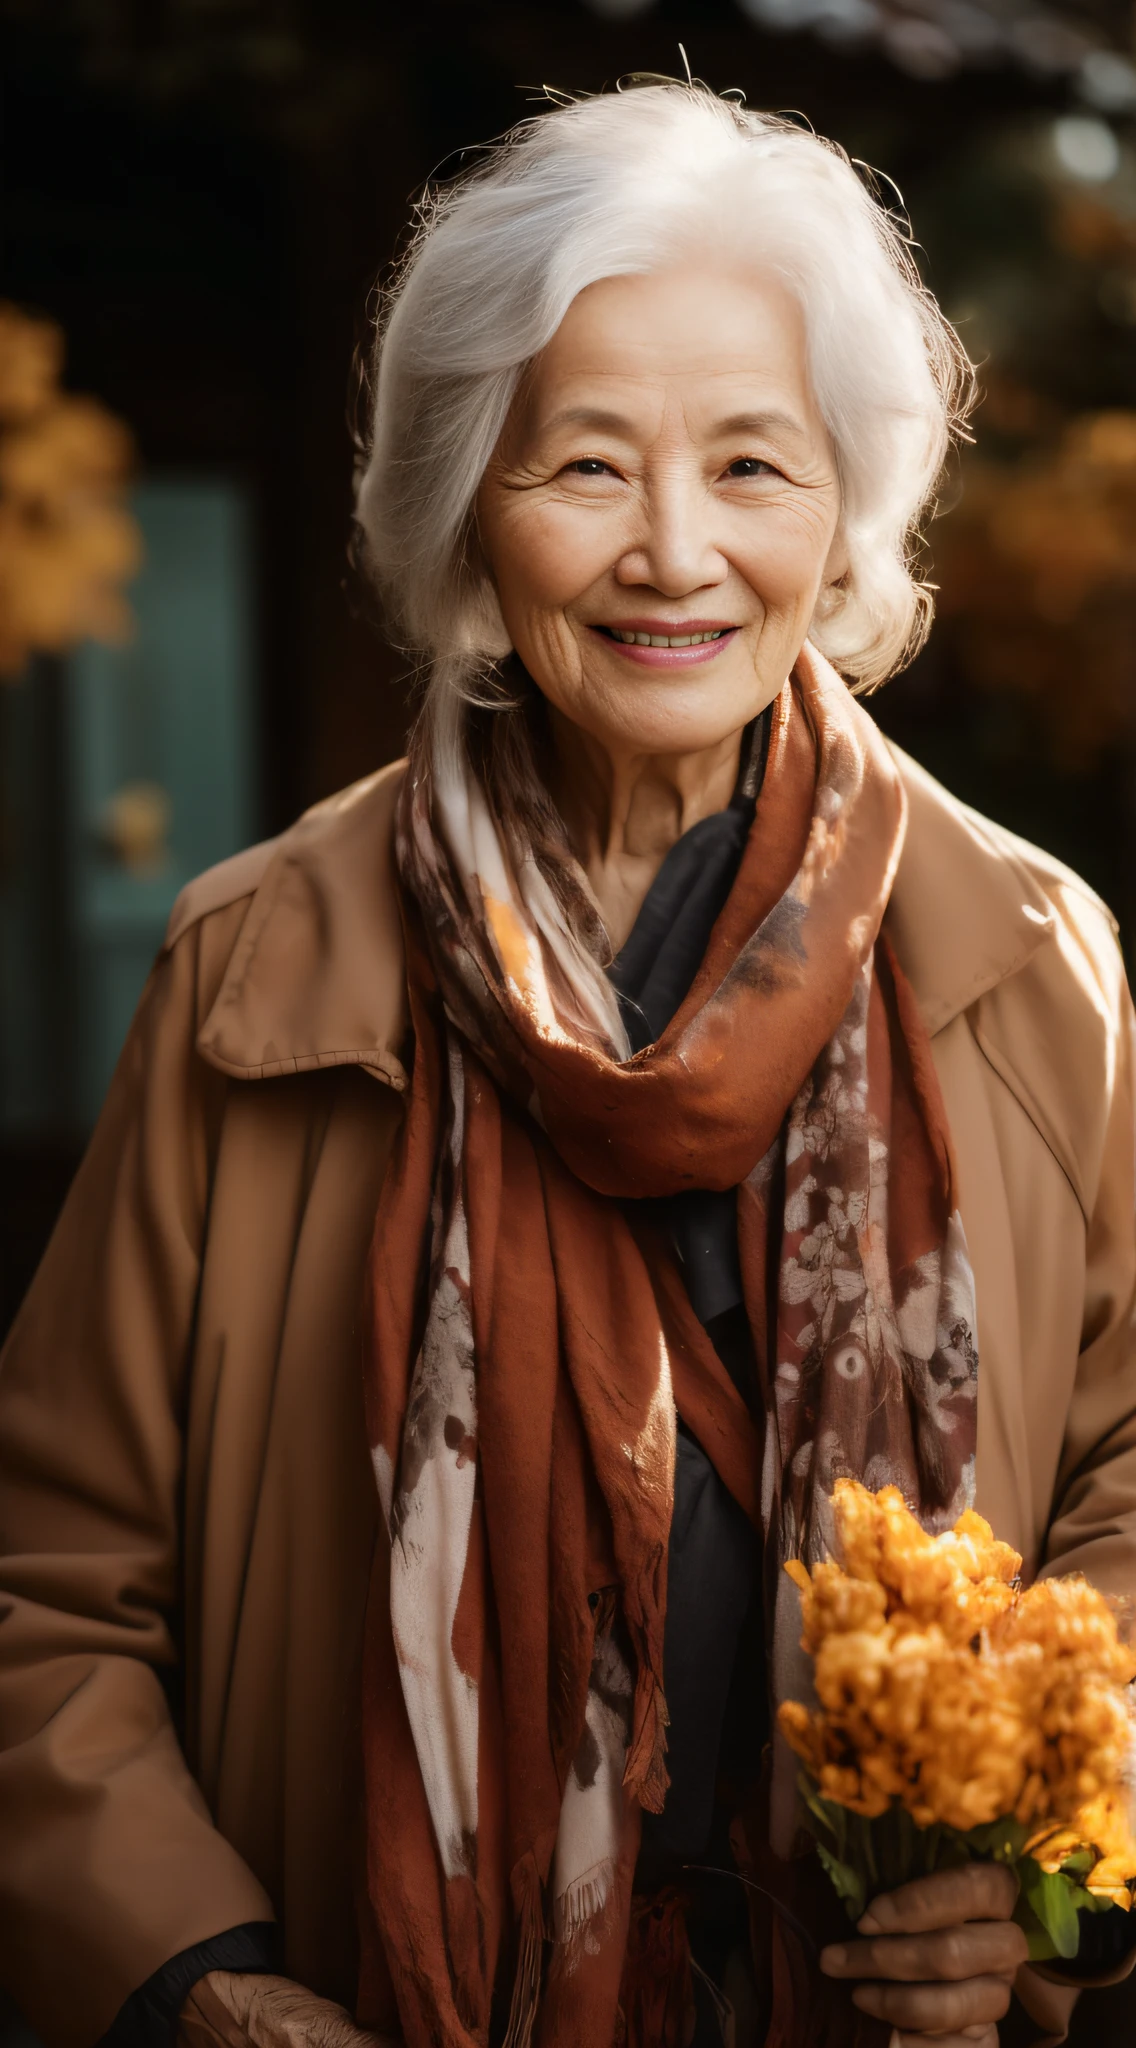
{"x": 967, "y": 908}
{"x": 316, "y": 976}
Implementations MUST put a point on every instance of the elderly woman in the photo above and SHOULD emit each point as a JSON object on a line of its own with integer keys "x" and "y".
{"x": 535, "y": 1178}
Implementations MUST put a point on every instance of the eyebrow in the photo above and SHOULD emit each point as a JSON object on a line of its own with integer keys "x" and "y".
{"x": 761, "y": 423}
{"x": 590, "y": 416}
{"x": 602, "y": 421}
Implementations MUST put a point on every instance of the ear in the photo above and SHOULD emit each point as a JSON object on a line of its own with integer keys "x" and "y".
{"x": 837, "y": 564}
{"x": 835, "y": 582}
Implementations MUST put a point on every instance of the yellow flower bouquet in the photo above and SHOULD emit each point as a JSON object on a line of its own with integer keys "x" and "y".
{"x": 960, "y": 1716}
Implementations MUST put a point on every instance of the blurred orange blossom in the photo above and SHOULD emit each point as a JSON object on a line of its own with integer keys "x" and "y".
{"x": 67, "y": 542}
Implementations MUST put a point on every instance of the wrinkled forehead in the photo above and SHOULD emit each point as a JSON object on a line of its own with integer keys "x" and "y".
{"x": 721, "y": 349}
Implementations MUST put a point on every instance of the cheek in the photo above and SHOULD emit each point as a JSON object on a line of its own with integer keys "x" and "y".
{"x": 783, "y": 557}
{"x": 545, "y": 556}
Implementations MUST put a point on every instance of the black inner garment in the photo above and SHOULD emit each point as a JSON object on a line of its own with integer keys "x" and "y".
{"x": 712, "y": 1571}
{"x": 652, "y": 976}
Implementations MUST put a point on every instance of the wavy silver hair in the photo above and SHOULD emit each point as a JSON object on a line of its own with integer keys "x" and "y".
{"x": 626, "y": 183}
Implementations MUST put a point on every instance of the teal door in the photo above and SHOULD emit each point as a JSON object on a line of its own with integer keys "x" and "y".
{"x": 126, "y": 771}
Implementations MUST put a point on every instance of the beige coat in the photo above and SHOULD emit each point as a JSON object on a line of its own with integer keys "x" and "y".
{"x": 186, "y": 1503}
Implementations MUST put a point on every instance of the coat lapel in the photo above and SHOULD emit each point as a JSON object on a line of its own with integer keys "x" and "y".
{"x": 966, "y": 912}
{"x": 317, "y": 976}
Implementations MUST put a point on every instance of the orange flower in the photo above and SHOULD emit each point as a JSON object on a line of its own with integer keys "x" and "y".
{"x": 942, "y": 1686}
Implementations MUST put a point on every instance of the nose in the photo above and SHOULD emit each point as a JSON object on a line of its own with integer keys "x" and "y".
{"x": 675, "y": 550}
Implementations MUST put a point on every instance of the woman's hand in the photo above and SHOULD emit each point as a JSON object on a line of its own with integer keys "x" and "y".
{"x": 230, "y": 2009}
{"x": 940, "y": 1957}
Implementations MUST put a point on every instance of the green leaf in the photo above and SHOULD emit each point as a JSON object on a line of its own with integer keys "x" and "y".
{"x": 831, "y": 1817}
{"x": 1053, "y": 1898}
{"x": 1000, "y": 1841}
{"x": 1091, "y": 1902}
{"x": 862, "y": 1856}
{"x": 1041, "y": 1949}
{"x": 847, "y": 1883}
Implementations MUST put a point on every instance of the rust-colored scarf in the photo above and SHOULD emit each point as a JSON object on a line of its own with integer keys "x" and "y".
{"x": 530, "y": 1343}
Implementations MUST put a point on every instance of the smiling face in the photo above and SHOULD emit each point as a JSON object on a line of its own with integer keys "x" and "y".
{"x": 662, "y": 510}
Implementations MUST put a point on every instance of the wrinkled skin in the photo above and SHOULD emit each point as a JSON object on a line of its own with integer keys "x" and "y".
{"x": 229, "y": 2009}
{"x": 938, "y": 1956}
{"x": 664, "y": 464}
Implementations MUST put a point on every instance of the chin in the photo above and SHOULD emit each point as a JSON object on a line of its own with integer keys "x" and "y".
{"x": 663, "y": 737}
{"x": 684, "y": 728}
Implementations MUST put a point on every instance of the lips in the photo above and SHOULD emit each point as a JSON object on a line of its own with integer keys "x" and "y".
{"x": 648, "y": 632}
{"x": 683, "y": 643}
{"x": 627, "y": 639}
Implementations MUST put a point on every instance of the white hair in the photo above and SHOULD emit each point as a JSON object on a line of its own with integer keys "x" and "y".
{"x": 627, "y": 183}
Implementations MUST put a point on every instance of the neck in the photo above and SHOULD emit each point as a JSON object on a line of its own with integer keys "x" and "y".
{"x": 624, "y": 810}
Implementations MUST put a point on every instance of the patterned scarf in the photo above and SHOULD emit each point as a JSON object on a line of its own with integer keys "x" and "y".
{"x": 530, "y": 1343}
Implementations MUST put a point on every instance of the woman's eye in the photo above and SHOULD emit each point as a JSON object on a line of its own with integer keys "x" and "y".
{"x": 750, "y": 465}
{"x": 590, "y": 465}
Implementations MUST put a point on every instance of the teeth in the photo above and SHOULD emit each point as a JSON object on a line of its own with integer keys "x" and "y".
{"x": 662, "y": 639}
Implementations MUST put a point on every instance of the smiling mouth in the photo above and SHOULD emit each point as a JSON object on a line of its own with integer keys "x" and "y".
{"x": 627, "y": 639}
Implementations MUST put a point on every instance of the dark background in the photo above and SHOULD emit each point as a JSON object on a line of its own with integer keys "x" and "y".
{"x": 203, "y": 193}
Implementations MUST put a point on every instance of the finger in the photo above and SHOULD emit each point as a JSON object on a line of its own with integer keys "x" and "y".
{"x": 293, "y": 2018}
{"x": 275, "y": 2012}
{"x": 207, "y": 2019}
{"x": 936, "y": 2008}
{"x": 976, "y": 1891}
{"x": 970, "y": 2037}
{"x": 979, "y": 1948}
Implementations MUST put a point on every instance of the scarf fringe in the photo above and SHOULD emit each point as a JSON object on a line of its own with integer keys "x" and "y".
{"x": 657, "y": 1988}
{"x": 530, "y": 1942}
{"x": 646, "y": 1772}
{"x": 584, "y": 1901}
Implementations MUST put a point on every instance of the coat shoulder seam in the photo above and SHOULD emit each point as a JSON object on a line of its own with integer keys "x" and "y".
{"x": 231, "y": 881}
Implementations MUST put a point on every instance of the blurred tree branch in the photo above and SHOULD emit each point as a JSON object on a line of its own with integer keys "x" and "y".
{"x": 1037, "y": 565}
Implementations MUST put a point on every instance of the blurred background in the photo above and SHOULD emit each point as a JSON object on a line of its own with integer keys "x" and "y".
{"x": 197, "y": 198}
